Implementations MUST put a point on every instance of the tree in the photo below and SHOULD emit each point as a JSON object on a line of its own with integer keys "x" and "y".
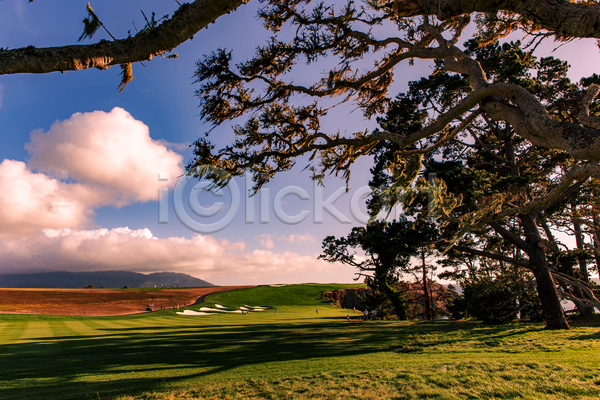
{"x": 498, "y": 295}
{"x": 497, "y": 174}
{"x": 388, "y": 248}
{"x": 276, "y": 132}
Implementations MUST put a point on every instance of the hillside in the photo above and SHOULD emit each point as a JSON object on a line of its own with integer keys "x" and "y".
{"x": 106, "y": 279}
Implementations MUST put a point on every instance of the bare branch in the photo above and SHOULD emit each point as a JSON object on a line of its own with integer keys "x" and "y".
{"x": 510, "y": 237}
{"x": 185, "y": 23}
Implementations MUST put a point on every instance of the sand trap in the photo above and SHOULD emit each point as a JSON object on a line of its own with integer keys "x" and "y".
{"x": 257, "y": 308}
{"x": 245, "y": 309}
{"x": 190, "y": 312}
{"x": 220, "y": 310}
{"x": 280, "y": 285}
{"x": 220, "y": 306}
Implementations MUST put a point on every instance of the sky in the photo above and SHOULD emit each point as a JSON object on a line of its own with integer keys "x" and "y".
{"x": 90, "y": 179}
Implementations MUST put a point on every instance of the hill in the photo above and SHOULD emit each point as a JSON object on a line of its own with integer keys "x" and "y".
{"x": 107, "y": 279}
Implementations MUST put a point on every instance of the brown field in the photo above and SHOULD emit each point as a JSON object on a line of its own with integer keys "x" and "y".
{"x": 99, "y": 301}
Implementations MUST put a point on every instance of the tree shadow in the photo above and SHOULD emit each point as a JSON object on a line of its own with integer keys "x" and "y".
{"x": 53, "y": 366}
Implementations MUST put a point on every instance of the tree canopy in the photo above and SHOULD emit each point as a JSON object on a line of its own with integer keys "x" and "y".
{"x": 278, "y": 130}
{"x": 547, "y": 129}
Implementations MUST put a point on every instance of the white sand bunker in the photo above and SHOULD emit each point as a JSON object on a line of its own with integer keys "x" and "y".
{"x": 252, "y": 309}
{"x": 190, "y": 312}
{"x": 255, "y": 308}
{"x": 218, "y": 310}
{"x": 220, "y": 306}
{"x": 280, "y": 285}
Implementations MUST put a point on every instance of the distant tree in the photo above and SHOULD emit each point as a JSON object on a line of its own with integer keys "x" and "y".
{"x": 388, "y": 248}
{"x": 493, "y": 291}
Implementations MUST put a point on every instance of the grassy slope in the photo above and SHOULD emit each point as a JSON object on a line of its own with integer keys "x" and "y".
{"x": 294, "y": 354}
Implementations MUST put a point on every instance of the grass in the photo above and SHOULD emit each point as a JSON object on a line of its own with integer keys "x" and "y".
{"x": 295, "y": 354}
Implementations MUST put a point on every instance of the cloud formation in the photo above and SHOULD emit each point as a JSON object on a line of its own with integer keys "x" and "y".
{"x": 97, "y": 159}
{"x": 30, "y": 201}
{"x": 266, "y": 240}
{"x": 85, "y": 162}
{"x": 111, "y": 153}
{"x": 293, "y": 238}
{"x": 218, "y": 261}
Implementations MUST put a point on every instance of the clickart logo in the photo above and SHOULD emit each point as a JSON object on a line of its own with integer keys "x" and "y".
{"x": 204, "y": 207}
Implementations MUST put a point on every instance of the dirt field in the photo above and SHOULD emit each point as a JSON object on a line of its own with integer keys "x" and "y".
{"x": 99, "y": 301}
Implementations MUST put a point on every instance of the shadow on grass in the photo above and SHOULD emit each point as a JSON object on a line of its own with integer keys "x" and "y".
{"x": 69, "y": 366}
{"x": 104, "y": 362}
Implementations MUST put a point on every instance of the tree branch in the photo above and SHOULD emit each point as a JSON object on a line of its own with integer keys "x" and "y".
{"x": 584, "y": 114}
{"x": 510, "y": 237}
{"x": 564, "y": 18}
{"x": 494, "y": 256}
{"x": 185, "y": 23}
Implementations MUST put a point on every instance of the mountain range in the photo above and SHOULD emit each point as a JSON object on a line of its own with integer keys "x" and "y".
{"x": 100, "y": 279}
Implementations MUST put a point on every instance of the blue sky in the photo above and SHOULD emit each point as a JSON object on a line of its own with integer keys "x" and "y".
{"x": 80, "y": 165}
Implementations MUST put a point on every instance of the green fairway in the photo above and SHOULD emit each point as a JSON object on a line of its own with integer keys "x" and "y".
{"x": 294, "y": 353}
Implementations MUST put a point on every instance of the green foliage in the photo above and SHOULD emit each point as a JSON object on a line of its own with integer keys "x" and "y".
{"x": 388, "y": 247}
{"x": 495, "y": 294}
{"x": 490, "y": 301}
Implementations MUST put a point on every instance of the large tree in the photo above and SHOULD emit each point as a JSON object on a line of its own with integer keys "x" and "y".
{"x": 509, "y": 188}
{"x": 279, "y": 130}
{"x": 280, "y": 127}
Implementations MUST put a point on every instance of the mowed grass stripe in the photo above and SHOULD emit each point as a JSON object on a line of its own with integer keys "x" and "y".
{"x": 2, "y": 326}
{"x": 36, "y": 339}
{"x": 11, "y": 333}
{"x": 115, "y": 325}
{"x": 36, "y": 331}
{"x": 80, "y": 333}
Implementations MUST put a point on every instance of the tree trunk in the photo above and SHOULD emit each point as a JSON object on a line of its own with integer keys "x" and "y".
{"x": 428, "y": 314}
{"x": 584, "y": 310}
{"x": 546, "y": 288}
{"x": 597, "y": 239}
{"x": 580, "y": 245}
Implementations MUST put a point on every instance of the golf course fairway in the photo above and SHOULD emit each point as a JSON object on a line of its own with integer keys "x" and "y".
{"x": 289, "y": 351}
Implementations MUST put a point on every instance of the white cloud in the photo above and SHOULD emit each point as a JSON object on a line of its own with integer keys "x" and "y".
{"x": 265, "y": 240}
{"x": 85, "y": 162}
{"x": 29, "y": 201}
{"x": 218, "y": 261}
{"x": 112, "y": 153}
{"x": 293, "y": 238}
